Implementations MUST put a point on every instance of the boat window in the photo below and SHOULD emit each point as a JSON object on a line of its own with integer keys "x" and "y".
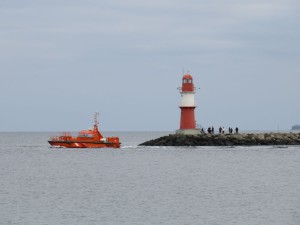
{"x": 85, "y": 135}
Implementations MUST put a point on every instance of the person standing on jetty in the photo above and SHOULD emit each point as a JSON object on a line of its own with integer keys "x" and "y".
{"x": 236, "y": 130}
{"x": 212, "y": 130}
{"x": 220, "y": 130}
{"x": 209, "y": 130}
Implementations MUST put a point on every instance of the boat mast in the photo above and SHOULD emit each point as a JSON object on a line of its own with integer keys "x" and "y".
{"x": 96, "y": 122}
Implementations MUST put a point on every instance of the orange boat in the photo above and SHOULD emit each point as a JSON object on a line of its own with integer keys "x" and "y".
{"x": 85, "y": 139}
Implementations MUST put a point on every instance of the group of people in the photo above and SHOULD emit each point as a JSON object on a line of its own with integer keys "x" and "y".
{"x": 230, "y": 130}
{"x": 211, "y": 130}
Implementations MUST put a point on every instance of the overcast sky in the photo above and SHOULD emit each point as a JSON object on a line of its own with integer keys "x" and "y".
{"x": 62, "y": 60}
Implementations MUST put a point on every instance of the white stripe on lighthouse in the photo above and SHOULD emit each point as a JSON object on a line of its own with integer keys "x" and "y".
{"x": 187, "y": 100}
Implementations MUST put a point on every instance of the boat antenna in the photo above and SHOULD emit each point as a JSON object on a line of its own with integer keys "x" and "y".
{"x": 96, "y": 122}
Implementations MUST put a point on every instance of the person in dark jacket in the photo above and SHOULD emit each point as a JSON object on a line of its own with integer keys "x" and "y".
{"x": 208, "y": 130}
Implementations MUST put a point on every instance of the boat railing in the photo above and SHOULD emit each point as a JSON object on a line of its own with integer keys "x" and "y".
{"x": 64, "y": 137}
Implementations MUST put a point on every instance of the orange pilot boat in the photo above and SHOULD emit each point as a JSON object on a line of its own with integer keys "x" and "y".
{"x": 85, "y": 139}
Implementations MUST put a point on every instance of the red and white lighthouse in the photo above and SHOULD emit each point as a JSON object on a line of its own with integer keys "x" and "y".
{"x": 187, "y": 106}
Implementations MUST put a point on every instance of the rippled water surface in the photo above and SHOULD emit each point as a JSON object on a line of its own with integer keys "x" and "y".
{"x": 143, "y": 185}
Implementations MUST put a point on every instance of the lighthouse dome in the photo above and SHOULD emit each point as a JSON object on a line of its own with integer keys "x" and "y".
{"x": 187, "y": 83}
{"x": 187, "y": 76}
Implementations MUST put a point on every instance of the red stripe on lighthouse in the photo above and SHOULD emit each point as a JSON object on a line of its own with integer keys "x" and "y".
{"x": 187, "y": 119}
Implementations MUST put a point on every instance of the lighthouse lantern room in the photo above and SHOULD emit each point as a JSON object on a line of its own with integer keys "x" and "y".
{"x": 187, "y": 107}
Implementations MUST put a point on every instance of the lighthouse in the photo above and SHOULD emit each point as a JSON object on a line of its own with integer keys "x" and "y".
{"x": 187, "y": 107}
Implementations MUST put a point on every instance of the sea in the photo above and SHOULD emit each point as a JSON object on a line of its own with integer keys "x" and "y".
{"x": 133, "y": 185}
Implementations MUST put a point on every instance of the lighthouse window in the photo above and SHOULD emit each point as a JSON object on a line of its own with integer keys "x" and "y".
{"x": 190, "y": 81}
{"x": 185, "y": 81}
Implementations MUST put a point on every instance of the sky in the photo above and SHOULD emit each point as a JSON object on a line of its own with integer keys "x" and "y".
{"x": 63, "y": 60}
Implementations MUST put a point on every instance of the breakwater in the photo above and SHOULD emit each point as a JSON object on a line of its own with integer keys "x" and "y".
{"x": 249, "y": 139}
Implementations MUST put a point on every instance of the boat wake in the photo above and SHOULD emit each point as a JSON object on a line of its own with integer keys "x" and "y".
{"x": 130, "y": 147}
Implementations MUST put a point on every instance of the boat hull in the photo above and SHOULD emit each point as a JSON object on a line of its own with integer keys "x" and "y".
{"x": 78, "y": 144}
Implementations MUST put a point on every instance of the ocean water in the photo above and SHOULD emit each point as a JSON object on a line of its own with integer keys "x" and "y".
{"x": 135, "y": 185}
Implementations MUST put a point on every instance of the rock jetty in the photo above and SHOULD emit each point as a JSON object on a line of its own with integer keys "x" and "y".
{"x": 226, "y": 140}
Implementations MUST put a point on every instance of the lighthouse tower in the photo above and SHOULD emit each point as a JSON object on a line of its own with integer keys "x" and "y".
{"x": 187, "y": 106}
